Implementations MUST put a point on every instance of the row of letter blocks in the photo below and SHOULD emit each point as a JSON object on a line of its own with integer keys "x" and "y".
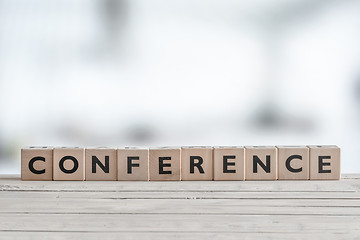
{"x": 185, "y": 163}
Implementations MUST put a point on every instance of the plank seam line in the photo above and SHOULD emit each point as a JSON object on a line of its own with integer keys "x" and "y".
{"x": 186, "y": 214}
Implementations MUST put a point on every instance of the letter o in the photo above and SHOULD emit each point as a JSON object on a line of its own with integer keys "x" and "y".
{"x": 75, "y": 161}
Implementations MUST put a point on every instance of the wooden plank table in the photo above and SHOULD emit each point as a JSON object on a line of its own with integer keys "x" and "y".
{"x": 186, "y": 210}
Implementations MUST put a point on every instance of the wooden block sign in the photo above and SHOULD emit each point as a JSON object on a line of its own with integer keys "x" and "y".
{"x": 196, "y": 163}
{"x": 233, "y": 163}
{"x": 133, "y": 164}
{"x": 100, "y": 164}
{"x": 324, "y": 162}
{"x": 293, "y": 162}
{"x": 164, "y": 164}
{"x": 37, "y": 163}
{"x": 69, "y": 164}
{"x": 229, "y": 163}
{"x": 261, "y": 163}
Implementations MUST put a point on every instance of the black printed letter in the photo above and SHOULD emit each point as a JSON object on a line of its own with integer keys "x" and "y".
{"x": 288, "y": 166}
{"x": 226, "y": 164}
{"x": 31, "y": 165}
{"x": 198, "y": 164}
{"x": 162, "y": 165}
{"x": 130, "y": 164}
{"x": 321, "y": 164}
{"x": 256, "y": 161}
{"x": 95, "y": 161}
{"x": 61, "y": 164}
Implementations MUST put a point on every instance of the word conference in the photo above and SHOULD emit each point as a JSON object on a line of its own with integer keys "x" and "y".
{"x": 181, "y": 163}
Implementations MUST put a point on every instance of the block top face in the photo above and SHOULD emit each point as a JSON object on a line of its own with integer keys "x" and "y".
{"x": 133, "y": 148}
{"x": 227, "y": 147}
{"x": 68, "y": 148}
{"x": 260, "y": 147}
{"x": 196, "y": 147}
{"x": 164, "y": 148}
{"x": 38, "y": 147}
{"x": 294, "y": 146}
{"x": 100, "y": 148}
{"x": 322, "y": 146}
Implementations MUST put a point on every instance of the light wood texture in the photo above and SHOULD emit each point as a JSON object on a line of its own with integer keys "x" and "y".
{"x": 183, "y": 209}
{"x": 324, "y": 162}
{"x": 72, "y": 162}
{"x": 229, "y": 163}
{"x": 133, "y": 164}
{"x": 260, "y": 163}
{"x": 196, "y": 163}
{"x": 107, "y": 171}
{"x": 37, "y": 163}
{"x": 164, "y": 164}
{"x": 293, "y": 162}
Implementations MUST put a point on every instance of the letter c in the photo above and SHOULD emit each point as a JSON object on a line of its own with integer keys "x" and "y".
{"x": 31, "y": 165}
{"x": 288, "y": 166}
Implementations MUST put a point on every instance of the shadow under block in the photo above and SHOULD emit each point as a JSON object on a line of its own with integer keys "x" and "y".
{"x": 324, "y": 162}
{"x": 100, "y": 164}
{"x": 37, "y": 163}
{"x": 196, "y": 163}
{"x": 293, "y": 162}
{"x": 69, "y": 164}
{"x": 133, "y": 164}
{"x": 229, "y": 163}
{"x": 164, "y": 164}
{"x": 260, "y": 163}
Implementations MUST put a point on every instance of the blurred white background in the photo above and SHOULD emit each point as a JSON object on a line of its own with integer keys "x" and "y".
{"x": 180, "y": 72}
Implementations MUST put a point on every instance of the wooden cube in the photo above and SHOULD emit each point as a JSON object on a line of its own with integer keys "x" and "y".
{"x": 196, "y": 163}
{"x": 229, "y": 163}
{"x": 100, "y": 164}
{"x": 293, "y": 162}
{"x": 260, "y": 163}
{"x": 324, "y": 162}
{"x": 164, "y": 164}
{"x": 133, "y": 164}
{"x": 37, "y": 163}
{"x": 69, "y": 164}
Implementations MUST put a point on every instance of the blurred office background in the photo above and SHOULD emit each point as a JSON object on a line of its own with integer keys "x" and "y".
{"x": 180, "y": 72}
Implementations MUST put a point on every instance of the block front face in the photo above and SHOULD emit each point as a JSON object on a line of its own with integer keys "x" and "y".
{"x": 293, "y": 162}
{"x": 324, "y": 162}
{"x": 196, "y": 163}
{"x": 37, "y": 163}
{"x": 229, "y": 163}
{"x": 100, "y": 164}
{"x": 164, "y": 164}
{"x": 69, "y": 164}
{"x": 133, "y": 164}
{"x": 260, "y": 163}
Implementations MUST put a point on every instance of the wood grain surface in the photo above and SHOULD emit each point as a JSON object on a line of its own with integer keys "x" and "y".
{"x": 180, "y": 210}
